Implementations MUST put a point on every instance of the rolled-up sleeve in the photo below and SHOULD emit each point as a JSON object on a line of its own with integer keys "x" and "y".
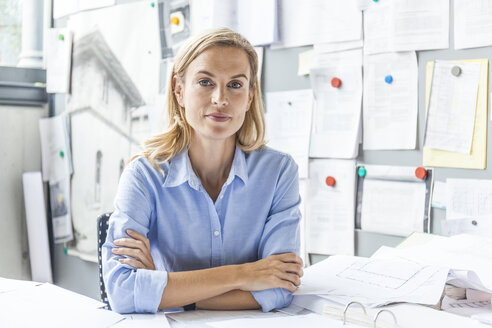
{"x": 281, "y": 232}
{"x": 128, "y": 289}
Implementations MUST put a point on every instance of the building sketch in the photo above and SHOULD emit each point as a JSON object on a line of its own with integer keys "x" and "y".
{"x": 100, "y": 107}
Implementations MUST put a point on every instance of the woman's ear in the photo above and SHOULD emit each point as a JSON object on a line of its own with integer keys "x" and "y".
{"x": 178, "y": 90}
{"x": 250, "y": 96}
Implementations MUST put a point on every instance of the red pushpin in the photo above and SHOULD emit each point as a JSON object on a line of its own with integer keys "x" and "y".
{"x": 420, "y": 173}
{"x": 330, "y": 181}
{"x": 336, "y": 82}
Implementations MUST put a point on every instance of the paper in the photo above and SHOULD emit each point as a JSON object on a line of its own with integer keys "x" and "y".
{"x": 337, "y": 112}
{"x": 58, "y": 56}
{"x": 390, "y": 109}
{"x": 312, "y": 320}
{"x": 452, "y": 107}
{"x": 337, "y": 46}
{"x": 288, "y": 122}
{"x": 478, "y": 156}
{"x": 204, "y": 316}
{"x": 469, "y": 199}
{"x": 67, "y": 7}
{"x": 37, "y": 228}
{"x": 439, "y": 195}
{"x": 136, "y": 320}
{"x": 393, "y": 207}
{"x": 464, "y": 254}
{"x": 373, "y": 282}
{"x": 305, "y": 62}
{"x": 7, "y": 285}
{"x": 330, "y": 211}
{"x": 55, "y": 148}
{"x": 256, "y": 20}
{"x": 61, "y": 212}
{"x": 400, "y": 25}
{"x": 472, "y": 23}
{"x": 318, "y": 21}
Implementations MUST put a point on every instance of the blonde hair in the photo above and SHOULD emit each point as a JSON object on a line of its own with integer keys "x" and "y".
{"x": 177, "y": 136}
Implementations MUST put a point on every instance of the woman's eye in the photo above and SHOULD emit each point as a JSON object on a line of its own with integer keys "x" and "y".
{"x": 236, "y": 85}
{"x": 204, "y": 83}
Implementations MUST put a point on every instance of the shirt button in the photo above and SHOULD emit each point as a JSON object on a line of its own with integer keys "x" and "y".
{"x": 216, "y": 233}
{"x": 221, "y": 196}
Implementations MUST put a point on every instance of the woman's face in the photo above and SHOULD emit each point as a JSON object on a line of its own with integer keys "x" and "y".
{"x": 215, "y": 92}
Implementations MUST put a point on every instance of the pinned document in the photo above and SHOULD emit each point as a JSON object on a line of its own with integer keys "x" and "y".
{"x": 452, "y": 106}
{"x": 58, "y": 48}
{"x": 393, "y": 200}
{"x": 288, "y": 118}
{"x": 336, "y": 79}
{"x": 476, "y": 159}
{"x": 472, "y": 24}
{"x": 330, "y": 207}
{"x": 390, "y": 101}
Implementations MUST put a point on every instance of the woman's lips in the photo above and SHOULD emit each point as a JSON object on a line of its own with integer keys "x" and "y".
{"x": 218, "y": 117}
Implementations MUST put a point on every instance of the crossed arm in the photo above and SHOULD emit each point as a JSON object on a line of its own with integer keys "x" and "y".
{"x": 226, "y": 288}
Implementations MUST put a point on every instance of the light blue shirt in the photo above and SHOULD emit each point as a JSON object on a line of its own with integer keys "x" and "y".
{"x": 255, "y": 215}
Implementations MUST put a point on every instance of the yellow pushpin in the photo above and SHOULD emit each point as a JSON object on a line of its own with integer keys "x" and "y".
{"x": 174, "y": 20}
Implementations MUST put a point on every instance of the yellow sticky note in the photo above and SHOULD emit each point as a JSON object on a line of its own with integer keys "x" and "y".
{"x": 477, "y": 159}
{"x": 305, "y": 62}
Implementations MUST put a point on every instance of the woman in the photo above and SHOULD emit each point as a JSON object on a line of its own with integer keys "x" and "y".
{"x": 207, "y": 214}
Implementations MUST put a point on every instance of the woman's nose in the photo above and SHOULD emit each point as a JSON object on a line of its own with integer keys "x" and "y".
{"x": 219, "y": 97}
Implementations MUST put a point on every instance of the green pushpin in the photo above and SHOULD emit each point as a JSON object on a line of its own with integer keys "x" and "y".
{"x": 65, "y": 250}
{"x": 61, "y": 37}
{"x": 362, "y": 171}
{"x": 152, "y": 4}
{"x": 62, "y": 154}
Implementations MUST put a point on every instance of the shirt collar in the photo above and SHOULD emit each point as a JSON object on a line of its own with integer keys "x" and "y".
{"x": 180, "y": 170}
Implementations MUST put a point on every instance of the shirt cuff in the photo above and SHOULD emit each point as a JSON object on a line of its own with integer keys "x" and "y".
{"x": 149, "y": 286}
{"x": 270, "y": 299}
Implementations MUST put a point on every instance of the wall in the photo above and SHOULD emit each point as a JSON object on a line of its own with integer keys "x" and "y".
{"x": 279, "y": 74}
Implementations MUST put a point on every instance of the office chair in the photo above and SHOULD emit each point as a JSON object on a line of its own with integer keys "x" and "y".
{"x": 102, "y": 231}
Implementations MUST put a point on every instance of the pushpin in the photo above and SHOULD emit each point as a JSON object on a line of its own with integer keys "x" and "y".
{"x": 175, "y": 20}
{"x": 456, "y": 70}
{"x": 61, "y": 37}
{"x": 336, "y": 82}
{"x": 152, "y": 4}
{"x": 330, "y": 181}
{"x": 388, "y": 79}
{"x": 62, "y": 154}
{"x": 420, "y": 173}
{"x": 474, "y": 222}
{"x": 362, "y": 171}
{"x": 375, "y": 0}
{"x": 65, "y": 250}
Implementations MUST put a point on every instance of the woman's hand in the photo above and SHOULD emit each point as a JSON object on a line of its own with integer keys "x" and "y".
{"x": 138, "y": 247}
{"x": 276, "y": 271}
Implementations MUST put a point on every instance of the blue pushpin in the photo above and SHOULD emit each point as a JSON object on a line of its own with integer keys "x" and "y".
{"x": 388, "y": 79}
{"x": 362, "y": 171}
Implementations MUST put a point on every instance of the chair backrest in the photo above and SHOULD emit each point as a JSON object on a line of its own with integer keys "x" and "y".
{"x": 102, "y": 231}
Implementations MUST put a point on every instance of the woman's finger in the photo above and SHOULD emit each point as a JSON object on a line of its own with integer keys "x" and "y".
{"x": 139, "y": 236}
{"x": 132, "y": 262}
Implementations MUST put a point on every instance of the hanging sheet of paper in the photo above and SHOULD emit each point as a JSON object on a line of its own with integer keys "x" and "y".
{"x": 478, "y": 156}
{"x": 469, "y": 207}
{"x": 256, "y": 19}
{"x": 472, "y": 23}
{"x": 318, "y": 21}
{"x": 58, "y": 56}
{"x": 399, "y": 25}
{"x": 393, "y": 200}
{"x": 390, "y": 101}
{"x": 288, "y": 120}
{"x": 330, "y": 207}
{"x": 336, "y": 118}
{"x": 452, "y": 106}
